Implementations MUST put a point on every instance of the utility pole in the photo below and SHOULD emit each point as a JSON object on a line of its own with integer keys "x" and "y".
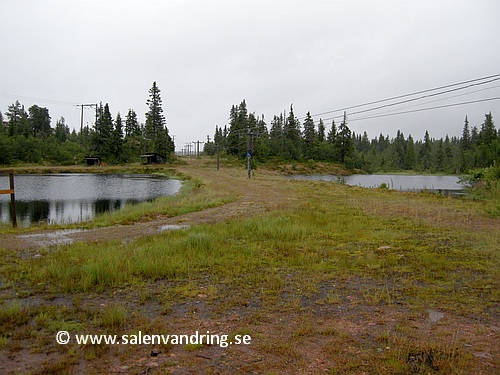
{"x": 197, "y": 143}
{"x": 249, "y": 154}
{"x": 218, "y": 156}
{"x": 81, "y": 119}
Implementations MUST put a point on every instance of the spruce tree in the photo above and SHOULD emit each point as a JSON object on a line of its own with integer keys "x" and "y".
{"x": 425, "y": 154}
{"x": 117, "y": 138}
{"x": 321, "y": 131}
{"x": 410, "y": 154}
{"x": 156, "y": 134}
{"x": 276, "y": 140}
{"x": 332, "y": 134}
{"x": 132, "y": 127}
{"x": 440, "y": 158}
{"x": 309, "y": 135}
{"x": 238, "y": 130}
{"x": 102, "y": 137}
{"x": 465, "y": 142}
{"x": 344, "y": 142}
{"x": 488, "y": 150}
{"x": 292, "y": 137}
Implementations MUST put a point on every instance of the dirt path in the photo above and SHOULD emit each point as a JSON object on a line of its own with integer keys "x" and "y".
{"x": 253, "y": 196}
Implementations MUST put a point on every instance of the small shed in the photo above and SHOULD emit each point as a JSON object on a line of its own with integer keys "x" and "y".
{"x": 152, "y": 158}
{"x": 92, "y": 160}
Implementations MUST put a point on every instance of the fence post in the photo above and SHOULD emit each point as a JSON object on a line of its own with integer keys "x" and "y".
{"x": 12, "y": 193}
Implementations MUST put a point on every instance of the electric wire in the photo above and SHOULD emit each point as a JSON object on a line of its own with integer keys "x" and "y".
{"x": 41, "y": 100}
{"x": 423, "y": 109}
{"x": 469, "y": 83}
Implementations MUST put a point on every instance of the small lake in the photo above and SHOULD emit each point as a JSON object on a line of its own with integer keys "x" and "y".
{"x": 71, "y": 198}
{"x": 449, "y": 185}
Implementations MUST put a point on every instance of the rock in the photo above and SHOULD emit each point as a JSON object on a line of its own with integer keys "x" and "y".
{"x": 155, "y": 352}
{"x": 383, "y": 248}
{"x": 483, "y": 355}
{"x": 435, "y": 316}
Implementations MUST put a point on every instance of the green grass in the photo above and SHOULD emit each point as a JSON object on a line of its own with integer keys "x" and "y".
{"x": 337, "y": 240}
{"x": 192, "y": 197}
{"x": 337, "y": 246}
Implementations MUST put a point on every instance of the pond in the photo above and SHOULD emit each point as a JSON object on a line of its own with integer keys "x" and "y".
{"x": 71, "y": 198}
{"x": 449, "y": 185}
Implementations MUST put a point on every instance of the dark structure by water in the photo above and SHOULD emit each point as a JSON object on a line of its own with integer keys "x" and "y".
{"x": 152, "y": 158}
{"x": 92, "y": 160}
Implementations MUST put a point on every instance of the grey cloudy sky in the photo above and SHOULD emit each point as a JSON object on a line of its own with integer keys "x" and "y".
{"x": 209, "y": 55}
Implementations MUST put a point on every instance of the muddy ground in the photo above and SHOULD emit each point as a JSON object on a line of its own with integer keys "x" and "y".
{"x": 305, "y": 336}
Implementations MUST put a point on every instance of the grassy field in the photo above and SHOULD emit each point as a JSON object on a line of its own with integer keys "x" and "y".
{"x": 323, "y": 277}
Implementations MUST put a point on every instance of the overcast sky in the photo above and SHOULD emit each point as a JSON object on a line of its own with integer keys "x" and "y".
{"x": 209, "y": 55}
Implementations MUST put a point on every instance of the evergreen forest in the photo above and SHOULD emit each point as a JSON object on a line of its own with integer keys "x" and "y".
{"x": 287, "y": 138}
{"x": 28, "y": 136}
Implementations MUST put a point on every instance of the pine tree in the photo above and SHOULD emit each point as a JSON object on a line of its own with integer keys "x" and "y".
{"x": 39, "y": 120}
{"x": 18, "y": 120}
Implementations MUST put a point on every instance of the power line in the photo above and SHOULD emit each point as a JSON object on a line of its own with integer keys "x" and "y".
{"x": 424, "y": 109}
{"x": 469, "y": 83}
{"x": 21, "y": 97}
{"x": 443, "y": 99}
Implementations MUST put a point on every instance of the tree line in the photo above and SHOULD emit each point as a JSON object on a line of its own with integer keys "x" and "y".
{"x": 288, "y": 139}
{"x": 27, "y": 136}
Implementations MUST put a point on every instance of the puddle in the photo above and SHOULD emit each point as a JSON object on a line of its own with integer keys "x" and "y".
{"x": 172, "y": 227}
{"x": 53, "y": 238}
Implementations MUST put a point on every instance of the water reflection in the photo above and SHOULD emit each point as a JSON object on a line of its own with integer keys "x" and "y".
{"x": 70, "y": 198}
{"x": 442, "y": 184}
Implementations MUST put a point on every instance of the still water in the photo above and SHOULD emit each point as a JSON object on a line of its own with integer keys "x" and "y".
{"x": 442, "y": 184}
{"x": 70, "y": 198}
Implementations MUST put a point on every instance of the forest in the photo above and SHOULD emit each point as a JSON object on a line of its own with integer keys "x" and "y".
{"x": 286, "y": 138}
{"x": 29, "y": 137}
